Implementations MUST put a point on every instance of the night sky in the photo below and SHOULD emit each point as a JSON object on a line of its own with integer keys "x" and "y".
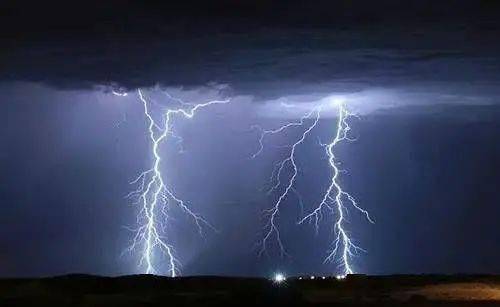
{"x": 424, "y": 78}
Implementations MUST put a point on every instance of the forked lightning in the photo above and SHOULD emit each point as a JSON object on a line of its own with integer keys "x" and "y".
{"x": 334, "y": 200}
{"x": 271, "y": 227}
{"x": 155, "y": 196}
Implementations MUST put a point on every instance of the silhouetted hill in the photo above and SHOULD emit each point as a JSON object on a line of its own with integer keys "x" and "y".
{"x": 151, "y": 290}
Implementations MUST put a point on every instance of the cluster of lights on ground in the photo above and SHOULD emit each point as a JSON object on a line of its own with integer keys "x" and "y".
{"x": 155, "y": 197}
{"x": 280, "y": 278}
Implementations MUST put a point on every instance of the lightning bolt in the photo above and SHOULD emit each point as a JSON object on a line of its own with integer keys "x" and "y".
{"x": 155, "y": 197}
{"x": 271, "y": 228}
{"x": 335, "y": 200}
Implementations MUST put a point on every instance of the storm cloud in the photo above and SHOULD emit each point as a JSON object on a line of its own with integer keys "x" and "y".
{"x": 436, "y": 58}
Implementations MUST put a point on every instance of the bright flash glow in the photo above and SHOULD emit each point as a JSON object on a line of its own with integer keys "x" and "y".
{"x": 337, "y": 102}
{"x": 335, "y": 200}
{"x": 155, "y": 196}
{"x": 279, "y": 278}
{"x": 119, "y": 94}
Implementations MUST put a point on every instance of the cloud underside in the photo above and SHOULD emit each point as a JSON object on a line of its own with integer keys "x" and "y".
{"x": 393, "y": 68}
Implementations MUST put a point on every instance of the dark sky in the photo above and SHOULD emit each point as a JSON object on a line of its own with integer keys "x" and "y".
{"x": 424, "y": 76}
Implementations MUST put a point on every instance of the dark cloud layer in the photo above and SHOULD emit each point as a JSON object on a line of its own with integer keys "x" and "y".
{"x": 256, "y": 47}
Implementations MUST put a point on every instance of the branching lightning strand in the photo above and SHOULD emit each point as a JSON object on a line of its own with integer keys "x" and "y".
{"x": 154, "y": 195}
{"x": 334, "y": 199}
{"x": 271, "y": 227}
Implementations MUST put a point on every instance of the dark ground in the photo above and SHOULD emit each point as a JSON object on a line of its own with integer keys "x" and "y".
{"x": 148, "y": 290}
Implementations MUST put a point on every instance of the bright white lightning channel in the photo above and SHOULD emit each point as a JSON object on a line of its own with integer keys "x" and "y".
{"x": 155, "y": 197}
{"x": 335, "y": 200}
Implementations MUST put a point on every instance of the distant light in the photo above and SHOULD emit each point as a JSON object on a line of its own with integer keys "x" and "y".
{"x": 323, "y": 277}
{"x": 340, "y": 277}
{"x": 279, "y": 278}
{"x": 300, "y": 278}
{"x": 312, "y": 277}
